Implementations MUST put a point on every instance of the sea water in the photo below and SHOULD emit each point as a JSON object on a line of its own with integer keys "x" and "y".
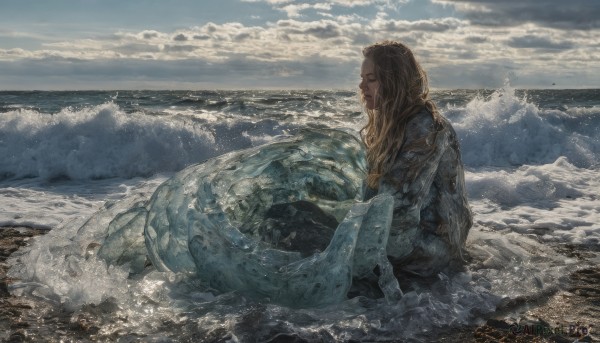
{"x": 532, "y": 161}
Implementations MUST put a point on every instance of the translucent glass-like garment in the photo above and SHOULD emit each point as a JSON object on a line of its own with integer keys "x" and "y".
{"x": 212, "y": 220}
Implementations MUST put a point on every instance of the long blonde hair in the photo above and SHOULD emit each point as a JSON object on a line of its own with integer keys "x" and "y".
{"x": 403, "y": 92}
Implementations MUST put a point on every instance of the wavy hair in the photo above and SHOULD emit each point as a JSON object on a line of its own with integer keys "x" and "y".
{"x": 403, "y": 92}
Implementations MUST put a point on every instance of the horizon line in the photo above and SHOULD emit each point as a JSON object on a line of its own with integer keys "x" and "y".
{"x": 268, "y": 89}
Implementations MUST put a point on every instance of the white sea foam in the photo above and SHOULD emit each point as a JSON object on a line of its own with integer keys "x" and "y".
{"x": 104, "y": 141}
{"x": 505, "y": 130}
{"x": 517, "y": 211}
{"x": 532, "y": 178}
{"x": 50, "y": 205}
{"x": 555, "y": 202}
{"x": 98, "y": 142}
{"x": 60, "y": 268}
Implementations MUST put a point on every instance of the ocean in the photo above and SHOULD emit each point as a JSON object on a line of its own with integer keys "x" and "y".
{"x": 532, "y": 161}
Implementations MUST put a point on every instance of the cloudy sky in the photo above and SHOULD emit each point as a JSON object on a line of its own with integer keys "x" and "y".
{"x": 240, "y": 44}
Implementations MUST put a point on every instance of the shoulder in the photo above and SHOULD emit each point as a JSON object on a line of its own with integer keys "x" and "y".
{"x": 423, "y": 116}
{"x": 420, "y": 125}
{"x": 425, "y": 123}
{"x": 425, "y": 135}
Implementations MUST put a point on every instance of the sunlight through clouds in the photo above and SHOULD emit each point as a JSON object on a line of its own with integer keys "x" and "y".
{"x": 457, "y": 42}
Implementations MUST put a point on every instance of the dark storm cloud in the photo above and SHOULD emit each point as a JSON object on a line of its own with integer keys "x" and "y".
{"x": 570, "y": 14}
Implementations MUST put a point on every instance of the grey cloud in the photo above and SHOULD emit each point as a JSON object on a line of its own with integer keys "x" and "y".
{"x": 236, "y": 72}
{"x": 265, "y": 55}
{"x": 134, "y": 48}
{"x": 340, "y": 40}
{"x": 439, "y": 25}
{"x": 284, "y": 36}
{"x": 180, "y": 38}
{"x": 323, "y": 30}
{"x": 240, "y": 73}
{"x": 150, "y": 35}
{"x": 202, "y": 37}
{"x": 179, "y": 48}
{"x": 531, "y": 41}
{"x": 411, "y": 38}
{"x": 468, "y": 55}
{"x": 241, "y": 36}
{"x": 15, "y": 52}
{"x": 327, "y": 31}
{"x": 476, "y": 39}
{"x": 362, "y": 39}
{"x": 210, "y": 27}
{"x": 436, "y": 26}
{"x": 572, "y": 14}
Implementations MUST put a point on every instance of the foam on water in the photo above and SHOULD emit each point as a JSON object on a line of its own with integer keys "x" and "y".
{"x": 103, "y": 142}
{"x": 59, "y": 268}
{"x": 41, "y": 204}
{"x": 555, "y": 203}
{"x": 532, "y": 178}
{"x": 505, "y": 130}
{"x": 97, "y": 142}
{"x": 505, "y": 265}
{"x": 110, "y": 140}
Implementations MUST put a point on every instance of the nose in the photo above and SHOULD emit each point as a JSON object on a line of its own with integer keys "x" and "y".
{"x": 362, "y": 85}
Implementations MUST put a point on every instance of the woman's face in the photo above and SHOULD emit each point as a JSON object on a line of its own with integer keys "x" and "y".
{"x": 369, "y": 85}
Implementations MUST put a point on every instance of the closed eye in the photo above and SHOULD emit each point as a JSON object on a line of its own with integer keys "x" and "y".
{"x": 370, "y": 77}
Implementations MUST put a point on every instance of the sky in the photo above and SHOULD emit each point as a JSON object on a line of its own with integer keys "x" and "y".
{"x": 274, "y": 44}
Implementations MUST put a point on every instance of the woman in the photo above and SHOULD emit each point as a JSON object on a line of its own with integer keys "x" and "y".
{"x": 412, "y": 152}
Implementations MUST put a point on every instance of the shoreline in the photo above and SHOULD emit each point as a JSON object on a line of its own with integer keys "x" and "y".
{"x": 554, "y": 317}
